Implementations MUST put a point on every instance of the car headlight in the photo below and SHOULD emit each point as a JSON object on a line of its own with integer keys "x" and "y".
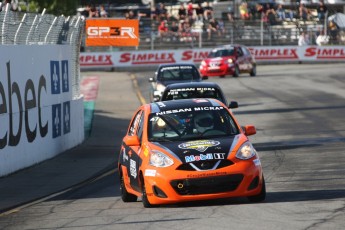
{"x": 246, "y": 151}
{"x": 159, "y": 159}
{"x": 230, "y": 60}
{"x": 160, "y": 87}
{"x": 203, "y": 63}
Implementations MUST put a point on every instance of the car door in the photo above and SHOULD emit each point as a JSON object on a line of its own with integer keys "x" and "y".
{"x": 131, "y": 154}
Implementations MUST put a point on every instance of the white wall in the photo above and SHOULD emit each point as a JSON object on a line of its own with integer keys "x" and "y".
{"x": 38, "y": 116}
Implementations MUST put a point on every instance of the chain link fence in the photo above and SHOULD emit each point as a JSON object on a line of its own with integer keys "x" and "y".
{"x": 44, "y": 29}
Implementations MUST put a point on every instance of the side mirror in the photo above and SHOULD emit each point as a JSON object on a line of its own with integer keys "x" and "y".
{"x": 249, "y": 130}
{"x": 233, "y": 105}
{"x": 131, "y": 140}
{"x": 151, "y": 79}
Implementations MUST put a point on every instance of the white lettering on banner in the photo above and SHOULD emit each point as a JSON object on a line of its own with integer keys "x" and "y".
{"x": 147, "y": 58}
{"x": 97, "y": 31}
{"x": 95, "y": 60}
{"x": 274, "y": 53}
{"x": 325, "y": 52}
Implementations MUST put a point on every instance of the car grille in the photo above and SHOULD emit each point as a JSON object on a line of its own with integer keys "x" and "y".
{"x": 204, "y": 165}
{"x": 207, "y": 185}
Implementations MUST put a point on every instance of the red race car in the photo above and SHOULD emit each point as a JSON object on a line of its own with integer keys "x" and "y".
{"x": 188, "y": 150}
{"x": 228, "y": 60}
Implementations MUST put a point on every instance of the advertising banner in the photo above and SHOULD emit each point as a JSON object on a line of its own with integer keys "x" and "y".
{"x": 262, "y": 54}
{"x": 112, "y": 32}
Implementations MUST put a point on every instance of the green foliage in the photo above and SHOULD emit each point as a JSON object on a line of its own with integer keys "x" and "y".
{"x": 56, "y": 7}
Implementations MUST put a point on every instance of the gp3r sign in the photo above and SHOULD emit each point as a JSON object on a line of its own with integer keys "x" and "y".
{"x": 112, "y": 32}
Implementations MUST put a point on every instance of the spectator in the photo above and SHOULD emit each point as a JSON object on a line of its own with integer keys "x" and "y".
{"x": 163, "y": 29}
{"x": 102, "y": 12}
{"x": 182, "y": 13}
{"x": 174, "y": 31}
{"x": 321, "y": 11}
{"x": 322, "y": 39}
{"x": 212, "y": 28}
{"x": 93, "y": 13}
{"x": 230, "y": 14}
{"x": 162, "y": 12}
{"x": 86, "y": 11}
{"x": 131, "y": 15}
{"x": 208, "y": 11}
{"x": 333, "y": 31}
{"x": 153, "y": 13}
{"x": 244, "y": 13}
{"x": 190, "y": 11}
{"x": 271, "y": 16}
{"x": 281, "y": 12}
{"x": 303, "y": 12}
{"x": 4, "y": 5}
{"x": 199, "y": 11}
{"x": 303, "y": 39}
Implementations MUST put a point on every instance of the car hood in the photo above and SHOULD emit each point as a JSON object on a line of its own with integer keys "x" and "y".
{"x": 203, "y": 149}
{"x": 219, "y": 59}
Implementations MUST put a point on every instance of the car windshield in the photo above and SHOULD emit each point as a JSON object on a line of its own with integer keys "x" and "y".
{"x": 198, "y": 92}
{"x": 221, "y": 53}
{"x": 178, "y": 73}
{"x": 186, "y": 124}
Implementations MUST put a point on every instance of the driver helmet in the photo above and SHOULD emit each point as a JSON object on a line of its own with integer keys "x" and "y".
{"x": 203, "y": 121}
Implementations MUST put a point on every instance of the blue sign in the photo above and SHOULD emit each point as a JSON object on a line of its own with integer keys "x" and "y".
{"x": 55, "y": 77}
{"x": 66, "y": 117}
{"x": 56, "y": 120}
{"x": 65, "y": 77}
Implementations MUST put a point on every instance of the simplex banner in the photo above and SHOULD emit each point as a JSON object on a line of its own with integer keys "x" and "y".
{"x": 262, "y": 54}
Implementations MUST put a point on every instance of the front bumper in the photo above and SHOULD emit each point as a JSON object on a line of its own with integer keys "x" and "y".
{"x": 217, "y": 71}
{"x": 171, "y": 186}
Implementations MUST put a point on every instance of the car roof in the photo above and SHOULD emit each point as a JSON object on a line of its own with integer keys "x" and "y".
{"x": 161, "y": 106}
{"x": 175, "y": 64}
{"x": 192, "y": 85}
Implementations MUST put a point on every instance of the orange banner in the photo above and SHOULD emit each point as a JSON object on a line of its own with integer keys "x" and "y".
{"x": 112, "y": 32}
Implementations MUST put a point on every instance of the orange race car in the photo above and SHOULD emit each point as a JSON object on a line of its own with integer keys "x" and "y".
{"x": 187, "y": 150}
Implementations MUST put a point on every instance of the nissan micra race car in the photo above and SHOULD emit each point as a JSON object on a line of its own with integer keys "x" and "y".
{"x": 186, "y": 150}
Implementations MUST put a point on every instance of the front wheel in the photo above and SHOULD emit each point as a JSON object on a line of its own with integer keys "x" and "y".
{"x": 253, "y": 72}
{"x": 125, "y": 196}
{"x": 145, "y": 200}
{"x": 261, "y": 196}
{"x": 236, "y": 72}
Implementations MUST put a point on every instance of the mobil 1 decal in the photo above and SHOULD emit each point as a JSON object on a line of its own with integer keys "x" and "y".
{"x": 61, "y": 112}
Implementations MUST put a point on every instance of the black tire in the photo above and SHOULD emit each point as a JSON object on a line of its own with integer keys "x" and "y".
{"x": 126, "y": 196}
{"x": 261, "y": 196}
{"x": 253, "y": 72}
{"x": 146, "y": 202}
{"x": 236, "y": 72}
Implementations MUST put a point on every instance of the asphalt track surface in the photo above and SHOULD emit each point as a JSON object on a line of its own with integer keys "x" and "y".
{"x": 298, "y": 111}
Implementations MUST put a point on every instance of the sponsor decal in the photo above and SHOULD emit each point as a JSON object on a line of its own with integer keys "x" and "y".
{"x": 146, "y": 152}
{"x": 206, "y": 174}
{"x": 325, "y": 53}
{"x": 257, "y": 162}
{"x": 208, "y": 108}
{"x": 274, "y": 53}
{"x": 150, "y": 172}
{"x": 95, "y": 60}
{"x": 147, "y": 58}
{"x": 132, "y": 168}
{"x": 112, "y": 32}
{"x": 174, "y": 111}
{"x": 199, "y": 145}
{"x": 201, "y": 157}
{"x": 124, "y": 155}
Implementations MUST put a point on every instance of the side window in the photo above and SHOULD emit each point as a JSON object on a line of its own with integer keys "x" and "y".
{"x": 245, "y": 51}
{"x": 239, "y": 52}
{"x": 134, "y": 124}
{"x": 141, "y": 126}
